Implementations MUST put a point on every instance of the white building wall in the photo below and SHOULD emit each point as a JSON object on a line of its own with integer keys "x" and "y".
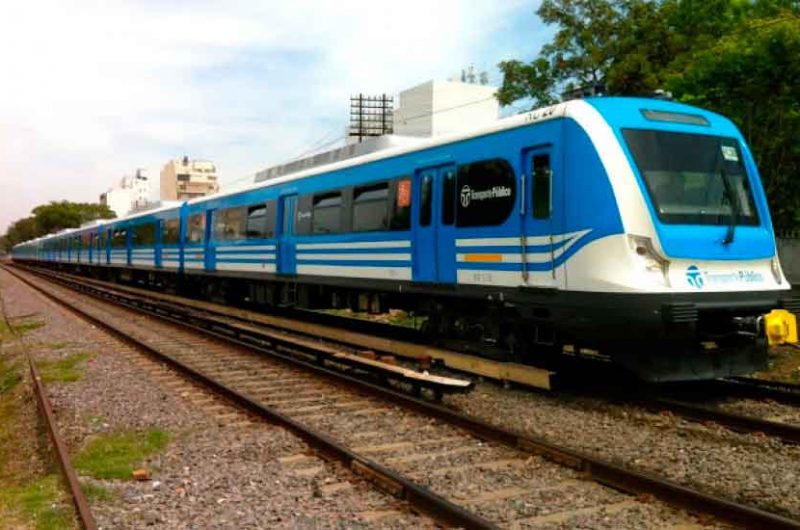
{"x": 442, "y": 107}
{"x": 120, "y": 200}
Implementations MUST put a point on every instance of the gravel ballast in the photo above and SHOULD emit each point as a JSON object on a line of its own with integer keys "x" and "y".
{"x": 222, "y": 469}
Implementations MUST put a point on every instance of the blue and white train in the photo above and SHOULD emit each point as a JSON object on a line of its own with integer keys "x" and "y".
{"x": 634, "y": 229}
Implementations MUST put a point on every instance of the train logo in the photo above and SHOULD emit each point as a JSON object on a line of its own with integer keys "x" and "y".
{"x": 466, "y": 196}
{"x": 695, "y": 277}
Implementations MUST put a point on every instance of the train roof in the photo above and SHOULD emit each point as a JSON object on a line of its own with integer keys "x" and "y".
{"x": 613, "y": 109}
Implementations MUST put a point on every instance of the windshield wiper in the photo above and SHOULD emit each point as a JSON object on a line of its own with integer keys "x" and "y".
{"x": 734, "y": 217}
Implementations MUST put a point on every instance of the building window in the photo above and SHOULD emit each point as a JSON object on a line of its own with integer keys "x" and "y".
{"x": 327, "y": 213}
{"x": 371, "y": 208}
{"x": 183, "y": 176}
{"x": 486, "y": 193}
{"x": 229, "y": 224}
{"x": 196, "y": 228}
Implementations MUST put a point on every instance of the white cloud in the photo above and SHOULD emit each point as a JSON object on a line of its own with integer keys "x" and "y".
{"x": 91, "y": 90}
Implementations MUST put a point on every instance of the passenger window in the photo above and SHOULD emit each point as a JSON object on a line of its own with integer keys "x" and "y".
{"x": 449, "y": 197}
{"x": 196, "y": 228}
{"x": 426, "y": 201}
{"x": 229, "y": 224}
{"x": 401, "y": 216}
{"x": 486, "y": 193}
{"x": 171, "y": 231}
{"x": 258, "y": 220}
{"x": 371, "y": 208}
{"x": 327, "y": 213}
{"x": 120, "y": 239}
{"x": 542, "y": 175}
{"x": 144, "y": 235}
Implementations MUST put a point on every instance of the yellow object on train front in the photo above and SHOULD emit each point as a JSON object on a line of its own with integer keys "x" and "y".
{"x": 781, "y": 327}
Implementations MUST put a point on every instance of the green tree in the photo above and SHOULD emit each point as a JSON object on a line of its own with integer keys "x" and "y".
{"x": 52, "y": 217}
{"x": 737, "y": 57}
{"x": 752, "y": 76}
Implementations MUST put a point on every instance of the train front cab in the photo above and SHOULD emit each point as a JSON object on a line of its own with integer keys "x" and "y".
{"x": 710, "y": 279}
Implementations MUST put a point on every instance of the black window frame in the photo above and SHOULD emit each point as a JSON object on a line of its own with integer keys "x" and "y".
{"x": 363, "y": 199}
{"x": 488, "y": 195}
{"x": 541, "y": 186}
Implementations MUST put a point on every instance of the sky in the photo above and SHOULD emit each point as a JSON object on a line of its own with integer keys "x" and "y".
{"x": 92, "y": 90}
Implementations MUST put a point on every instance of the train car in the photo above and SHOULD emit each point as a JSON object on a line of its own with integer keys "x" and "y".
{"x": 631, "y": 229}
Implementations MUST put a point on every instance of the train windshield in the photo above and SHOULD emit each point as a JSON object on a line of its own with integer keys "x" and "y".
{"x": 692, "y": 178}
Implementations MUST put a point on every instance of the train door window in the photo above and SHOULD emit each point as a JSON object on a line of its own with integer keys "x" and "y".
{"x": 229, "y": 224}
{"x": 196, "y": 228}
{"x": 401, "y": 214}
{"x": 542, "y": 177}
{"x": 448, "y": 197}
{"x": 371, "y": 207}
{"x": 327, "y": 213}
{"x": 144, "y": 235}
{"x": 486, "y": 193}
{"x": 119, "y": 239}
{"x": 426, "y": 200}
{"x": 261, "y": 221}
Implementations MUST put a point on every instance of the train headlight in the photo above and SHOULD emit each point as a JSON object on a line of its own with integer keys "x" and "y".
{"x": 651, "y": 262}
{"x": 775, "y": 266}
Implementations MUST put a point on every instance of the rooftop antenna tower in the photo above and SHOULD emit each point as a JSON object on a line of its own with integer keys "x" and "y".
{"x": 370, "y": 116}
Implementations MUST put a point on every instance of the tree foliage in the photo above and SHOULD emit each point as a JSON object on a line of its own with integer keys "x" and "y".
{"x": 740, "y": 58}
{"x": 52, "y": 217}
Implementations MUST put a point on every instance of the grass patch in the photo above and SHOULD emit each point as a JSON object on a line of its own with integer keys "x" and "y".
{"x": 21, "y": 327}
{"x": 42, "y": 502}
{"x": 784, "y": 364}
{"x": 96, "y": 492}
{"x": 60, "y": 345}
{"x": 115, "y": 456}
{"x": 64, "y": 370}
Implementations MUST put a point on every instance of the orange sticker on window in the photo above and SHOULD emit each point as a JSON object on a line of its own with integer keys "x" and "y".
{"x": 404, "y": 194}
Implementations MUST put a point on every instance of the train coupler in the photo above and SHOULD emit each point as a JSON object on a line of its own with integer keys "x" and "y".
{"x": 780, "y": 327}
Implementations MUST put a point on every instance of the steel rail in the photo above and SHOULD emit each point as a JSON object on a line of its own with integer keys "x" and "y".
{"x": 613, "y": 475}
{"x": 736, "y": 422}
{"x": 420, "y": 497}
{"x": 79, "y": 500}
{"x": 760, "y": 388}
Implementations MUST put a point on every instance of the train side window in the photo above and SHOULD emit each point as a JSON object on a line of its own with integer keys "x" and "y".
{"x": 449, "y": 197}
{"x": 119, "y": 239}
{"x": 196, "y": 228}
{"x": 261, "y": 221}
{"x": 401, "y": 214}
{"x": 144, "y": 235}
{"x": 542, "y": 177}
{"x": 486, "y": 193}
{"x": 371, "y": 208}
{"x": 229, "y": 224}
{"x": 171, "y": 231}
{"x": 426, "y": 200}
{"x": 327, "y": 213}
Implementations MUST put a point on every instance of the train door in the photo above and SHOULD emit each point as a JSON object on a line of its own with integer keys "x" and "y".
{"x": 287, "y": 262}
{"x": 434, "y": 230}
{"x": 539, "y": 242}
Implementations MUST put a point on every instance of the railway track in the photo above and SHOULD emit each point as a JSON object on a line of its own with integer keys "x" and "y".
{"x": 458, "y": 469}
{"x": 78, "y": 497}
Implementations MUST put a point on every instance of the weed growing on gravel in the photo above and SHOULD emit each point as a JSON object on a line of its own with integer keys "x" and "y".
{"x": 115, "y": 456}
{"x": 9, "y": 376}
{"x": 27, "y": 325}
{"x": 60, "y": 345}
{"x": 96, "y": 492}
{"x": 64, "y": 370}
{"x": 42, "y": 502}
